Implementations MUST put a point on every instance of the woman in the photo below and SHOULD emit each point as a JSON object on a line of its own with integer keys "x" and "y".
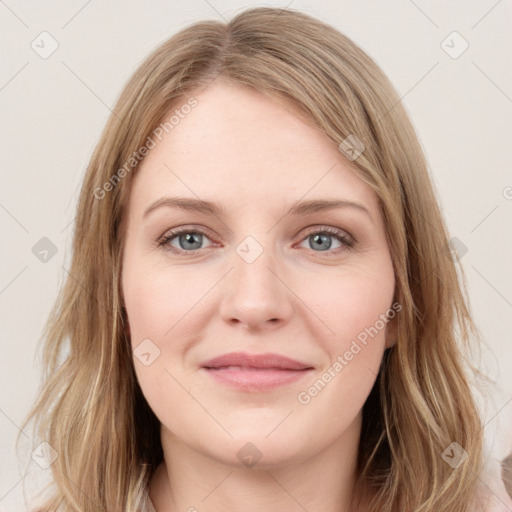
{"x": 262, "y": 368}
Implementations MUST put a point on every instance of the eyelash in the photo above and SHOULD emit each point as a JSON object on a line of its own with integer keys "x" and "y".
{"x": 348, "y": 242}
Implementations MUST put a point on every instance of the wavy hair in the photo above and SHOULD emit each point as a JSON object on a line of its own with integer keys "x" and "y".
{"x": 91, "y": 409}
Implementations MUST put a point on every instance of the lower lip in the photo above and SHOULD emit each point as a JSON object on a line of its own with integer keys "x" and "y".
{"x": 256, "y": 379}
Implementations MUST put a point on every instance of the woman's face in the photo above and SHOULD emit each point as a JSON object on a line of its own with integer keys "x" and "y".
{"x": 271, "y": 272}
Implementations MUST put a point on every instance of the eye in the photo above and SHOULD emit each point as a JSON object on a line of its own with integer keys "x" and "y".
{"x": 188, "y": 240}
{"x": 320, "y": 240}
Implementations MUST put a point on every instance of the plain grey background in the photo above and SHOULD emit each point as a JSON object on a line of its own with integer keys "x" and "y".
{"x": 54, "y": 106}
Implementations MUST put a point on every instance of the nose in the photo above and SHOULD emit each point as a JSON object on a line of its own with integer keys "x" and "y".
{"x": 255, "y": 294}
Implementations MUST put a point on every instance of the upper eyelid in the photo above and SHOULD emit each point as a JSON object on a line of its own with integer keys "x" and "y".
{"x": 186, "y": 229}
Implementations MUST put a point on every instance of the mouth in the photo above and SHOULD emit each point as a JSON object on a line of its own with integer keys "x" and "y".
{"x": 255, "y": 373}
{"x": 255, "y": 379}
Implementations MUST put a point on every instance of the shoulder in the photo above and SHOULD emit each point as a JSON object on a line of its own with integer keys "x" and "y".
{"x": 497, "y": 499}
{"x": 498, "y": 506}
{"x": 494, "y": 495}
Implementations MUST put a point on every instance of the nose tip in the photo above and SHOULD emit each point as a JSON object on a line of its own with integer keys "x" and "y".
{"x": 253, "y": 295}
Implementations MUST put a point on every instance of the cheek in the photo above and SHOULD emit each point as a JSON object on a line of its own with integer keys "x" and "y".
{"x": 356, "y": 311}
{"x": 350, "y": 303}
{"x": 355, "y": 307}
{"x": 157, "y": 299}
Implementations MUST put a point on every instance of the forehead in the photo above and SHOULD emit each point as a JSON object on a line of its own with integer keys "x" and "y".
{"x": 239, "y": 147}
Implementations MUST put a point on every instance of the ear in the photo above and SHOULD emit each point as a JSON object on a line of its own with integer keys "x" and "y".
{"x": 126, "y": 324}
{"x": 391, "y": 332}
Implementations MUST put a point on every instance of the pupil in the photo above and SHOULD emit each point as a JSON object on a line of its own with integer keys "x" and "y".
{"x": 319, "y": 239}
{"x": 190, "y": 238}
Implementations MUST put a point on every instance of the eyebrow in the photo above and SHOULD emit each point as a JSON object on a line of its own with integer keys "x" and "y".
{"x": 298, "y": 208}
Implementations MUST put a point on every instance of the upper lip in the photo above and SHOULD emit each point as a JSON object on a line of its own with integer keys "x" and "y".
{"x": 267, "y": 360}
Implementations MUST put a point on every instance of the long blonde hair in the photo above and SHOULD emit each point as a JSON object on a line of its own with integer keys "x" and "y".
{"x": 91, "y": 409}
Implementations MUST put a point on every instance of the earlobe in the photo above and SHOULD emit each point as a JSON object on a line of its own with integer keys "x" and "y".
{"x": 390, "y": 342}
{"x": 391, "y": 334}
{"x": 126, "y": 324}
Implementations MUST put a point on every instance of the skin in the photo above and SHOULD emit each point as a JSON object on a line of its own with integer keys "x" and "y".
{"x": 254, "y": 157}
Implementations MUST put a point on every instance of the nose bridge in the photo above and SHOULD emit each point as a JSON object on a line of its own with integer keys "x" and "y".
{"x": 253, "y": 294}
{"x": 253, "y": 263}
